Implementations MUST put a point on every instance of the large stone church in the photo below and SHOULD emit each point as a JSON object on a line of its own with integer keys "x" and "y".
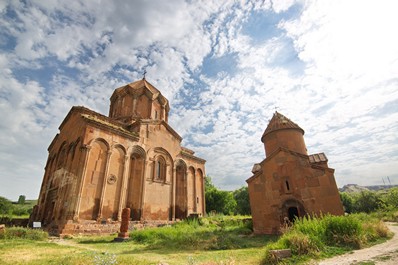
{"x": 289, "y": 183}
{"x": 98, "y": 165}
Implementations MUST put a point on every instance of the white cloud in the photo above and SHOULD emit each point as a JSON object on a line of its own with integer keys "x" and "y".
{"x": 331, "y": 69}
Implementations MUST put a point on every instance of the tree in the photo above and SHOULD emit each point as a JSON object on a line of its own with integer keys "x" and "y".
{"x": 241, "y": 197}
{"x": 347, "y": 201}
{"x": 21, "y": 199}
{"x": 391, "y": 198}
{"x": 218, "y": 200}
{"x": 5, "y": 206}
{"x": 367, "y": 201}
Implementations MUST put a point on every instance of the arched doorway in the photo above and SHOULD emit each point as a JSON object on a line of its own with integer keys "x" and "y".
{"x": 293, "y": 213}
{"x": 292, "y": 209}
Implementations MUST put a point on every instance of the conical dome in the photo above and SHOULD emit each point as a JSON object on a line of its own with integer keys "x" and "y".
{"x": 139, "y": 99}
{"x": 280, "y": 122}
{"x": 282, "y": 132}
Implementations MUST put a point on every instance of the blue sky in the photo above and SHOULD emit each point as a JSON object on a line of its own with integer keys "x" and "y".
{"x": 225, "y": 66}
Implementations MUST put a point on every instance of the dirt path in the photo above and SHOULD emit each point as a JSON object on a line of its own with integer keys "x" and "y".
{"x": 383, "y": 254}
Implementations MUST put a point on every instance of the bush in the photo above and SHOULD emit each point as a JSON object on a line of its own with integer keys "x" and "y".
{"x": 5, "y": 206}
{"x": 24, "y": 233}
{"x": 344, "y": 230}
{"x": 375, "y": 230}
{"x": 300, "y": 243}
{"x": 309, "y": 235}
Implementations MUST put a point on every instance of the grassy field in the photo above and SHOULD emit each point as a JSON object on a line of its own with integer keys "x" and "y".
{"x": 213, "y": 240}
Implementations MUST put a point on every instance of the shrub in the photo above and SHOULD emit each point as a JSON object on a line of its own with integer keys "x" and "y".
{"x": 344, "y": 230}
{"x": 24, "y": 233}
{"x": 299, "y": 243}
{"x": 309, "y": 235}
{"x": 375, "y": 230}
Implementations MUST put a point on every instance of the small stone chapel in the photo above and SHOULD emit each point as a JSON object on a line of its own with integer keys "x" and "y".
{"x": 98, "y": 165}
{"x": 289, "y": 183}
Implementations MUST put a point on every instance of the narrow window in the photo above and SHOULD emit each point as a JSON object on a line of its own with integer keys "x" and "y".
{"x": 156, "y": 114}
{"x": 287, "y": 185}
{"x": 159, "y": 170}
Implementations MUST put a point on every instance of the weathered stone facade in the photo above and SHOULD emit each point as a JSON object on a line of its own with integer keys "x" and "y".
{"x": 289, "y": 182}
{"x": 98, "y": 165}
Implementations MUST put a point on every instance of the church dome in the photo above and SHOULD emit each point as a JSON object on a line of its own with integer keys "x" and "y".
{"x": 138, "y": 100}
{"x": 282, "y": 132}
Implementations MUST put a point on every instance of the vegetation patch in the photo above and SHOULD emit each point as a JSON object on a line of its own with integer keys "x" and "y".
{"x": 23, "y": 233}
{"x": 213, "y": 233}
{"x": 327, "y": 236}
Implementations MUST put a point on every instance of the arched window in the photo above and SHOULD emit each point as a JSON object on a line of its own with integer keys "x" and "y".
{"x": 160, "y": 169}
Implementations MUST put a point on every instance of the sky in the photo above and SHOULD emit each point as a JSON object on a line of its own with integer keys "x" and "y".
{"x": 226, "y": 66}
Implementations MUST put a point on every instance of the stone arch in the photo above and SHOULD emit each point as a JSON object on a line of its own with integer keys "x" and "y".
{"x": 62, "y": 155}
{"x": 169, "y": 163}
{"x": 291, "y": 209}
{"x": 135, "y": 182}
{"x": 113, "y": 183}
{"x": 93, "y": 182}
{"x": 138, "y": 151}
{"x": 160, "y": 168}
{"x": 181, "y": 207}
{"x": 102, "y": 140}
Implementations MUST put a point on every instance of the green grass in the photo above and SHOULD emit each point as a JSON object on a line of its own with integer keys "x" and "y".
{"x": 314, "y": 238}
{"x": 12, "y": 233}
{"x": 212, "y": 240}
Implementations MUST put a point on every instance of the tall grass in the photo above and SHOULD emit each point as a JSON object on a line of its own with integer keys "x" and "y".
{"x": 309, "y": 236}
{"x": 217, "y": 232}
{"x": 23, "y": 233}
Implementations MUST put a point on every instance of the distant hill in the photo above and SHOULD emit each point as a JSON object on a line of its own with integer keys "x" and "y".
{"x": 358, "y": 188}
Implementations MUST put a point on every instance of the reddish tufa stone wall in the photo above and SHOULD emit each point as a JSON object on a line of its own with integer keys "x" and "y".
{"x": 98, "y": 165}
{"x": 290, "y": 139}
{"x": 287, "y": 184}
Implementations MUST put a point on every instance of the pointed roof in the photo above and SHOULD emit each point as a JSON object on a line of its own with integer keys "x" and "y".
{"x": 136, "y": 86}
{"x": 280, "y": 122}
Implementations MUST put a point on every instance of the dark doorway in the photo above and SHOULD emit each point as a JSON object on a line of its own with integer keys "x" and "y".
{"x": 293, "y": 213}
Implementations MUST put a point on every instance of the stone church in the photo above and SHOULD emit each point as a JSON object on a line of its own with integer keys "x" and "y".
{"x": 289, "y": 183}
{"x": 98, "y": 165}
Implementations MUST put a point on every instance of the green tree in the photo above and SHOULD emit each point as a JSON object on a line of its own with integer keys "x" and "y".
{"x": 391, "y": 198}
{"x": 218, "y": 200}
{"x": 21, "y": 199}
{"x": 5, "y": 206}
{"x": 367, "y": 201}
{"x": 348, "y": 202}
{"x": 241, "y": 197}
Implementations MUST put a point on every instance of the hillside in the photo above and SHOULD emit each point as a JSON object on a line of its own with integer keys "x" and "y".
{"x": 358, "y": 188}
